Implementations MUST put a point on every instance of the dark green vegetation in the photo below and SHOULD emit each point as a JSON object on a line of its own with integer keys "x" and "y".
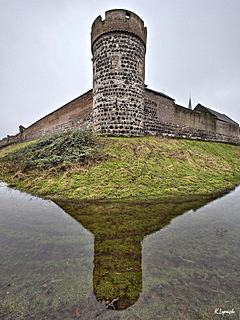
{"x": 78, "y": 165}
{"x": 61, "y": 149}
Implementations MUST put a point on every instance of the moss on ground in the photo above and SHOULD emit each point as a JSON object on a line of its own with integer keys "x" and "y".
{"x": 132, "y": 168}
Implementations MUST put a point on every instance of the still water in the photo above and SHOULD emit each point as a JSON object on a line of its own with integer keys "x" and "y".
{"x": 71, "y": 260}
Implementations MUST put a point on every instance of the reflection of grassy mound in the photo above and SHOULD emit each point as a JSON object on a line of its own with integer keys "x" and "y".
{"x": 129, "y": 168}
{"x": 118, "y": 230}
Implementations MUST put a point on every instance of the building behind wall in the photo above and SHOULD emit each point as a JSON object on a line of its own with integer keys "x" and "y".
{"x": 120, "y": 103}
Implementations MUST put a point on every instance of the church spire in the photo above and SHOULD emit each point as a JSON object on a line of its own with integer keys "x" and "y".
{"x": 190, "y": 103}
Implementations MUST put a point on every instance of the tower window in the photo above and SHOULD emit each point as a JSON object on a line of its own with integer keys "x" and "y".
{"x": 140, "y": 67}
{"x": 116, "y": 62}
{"x": 127, "y": 15}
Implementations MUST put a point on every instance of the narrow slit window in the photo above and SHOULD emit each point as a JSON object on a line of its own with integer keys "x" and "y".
{"x": 127, "y": 15}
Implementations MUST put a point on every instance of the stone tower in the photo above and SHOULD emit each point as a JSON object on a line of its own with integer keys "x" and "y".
{"x": 118, "y": 49}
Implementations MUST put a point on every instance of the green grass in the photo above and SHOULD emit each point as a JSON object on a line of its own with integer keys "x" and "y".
{"x": 14, "y": 147}
{"x": 130, "y": 168}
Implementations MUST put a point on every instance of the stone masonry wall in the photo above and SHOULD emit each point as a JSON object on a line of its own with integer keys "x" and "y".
{"x": 118, "y": 77}
{"x": 165, "y": 107}
{"x": 188, "y": 118}
{"x": 227, "y": 128}
{"x": 174, "y": 131}
{"x": 9, "y": 140}
{"x": 75, "y": 114}
{"x": 161, "y": 117}
{"x": 176, "y": 121}
{"x": 119, "y": 20}
{"x": 118, "y": 48}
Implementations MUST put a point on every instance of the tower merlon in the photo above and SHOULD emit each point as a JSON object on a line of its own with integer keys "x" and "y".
{"x": 119, "y": 20}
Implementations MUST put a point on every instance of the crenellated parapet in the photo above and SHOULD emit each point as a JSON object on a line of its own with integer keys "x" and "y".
{"x": 119, "y": 20}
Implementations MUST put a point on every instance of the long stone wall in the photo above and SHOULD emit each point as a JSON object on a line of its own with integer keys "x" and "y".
{"x": 171, "y": 119}
{"x": 165, "y": 107}
{"x": 161, "y": 117}
{"x": 75, "y": 114}
{"x": 174, "y": 131}
{"x": 9, "y": 140}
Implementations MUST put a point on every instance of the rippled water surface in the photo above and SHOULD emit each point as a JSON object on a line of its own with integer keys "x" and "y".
{"x": 71, "y": 260}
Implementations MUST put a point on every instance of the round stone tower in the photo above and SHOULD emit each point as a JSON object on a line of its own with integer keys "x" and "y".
{"x": 118, "y": 48}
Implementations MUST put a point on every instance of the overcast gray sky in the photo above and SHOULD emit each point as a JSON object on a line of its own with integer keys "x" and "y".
{"x": 45, "y": 57}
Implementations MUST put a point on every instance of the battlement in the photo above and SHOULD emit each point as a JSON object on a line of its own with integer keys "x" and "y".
{"x": 119, "y": 20}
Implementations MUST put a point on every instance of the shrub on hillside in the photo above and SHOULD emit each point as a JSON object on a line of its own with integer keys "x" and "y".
{"x": 68, "y": 147}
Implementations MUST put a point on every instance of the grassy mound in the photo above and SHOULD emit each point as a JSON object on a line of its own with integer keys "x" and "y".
{"x": 129, "y": 168}
{"x": 59, "y": 149}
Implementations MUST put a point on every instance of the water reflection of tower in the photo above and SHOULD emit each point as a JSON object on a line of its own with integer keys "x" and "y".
{"x": 119, "y": 229}
{"x": 118, "y": 48}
